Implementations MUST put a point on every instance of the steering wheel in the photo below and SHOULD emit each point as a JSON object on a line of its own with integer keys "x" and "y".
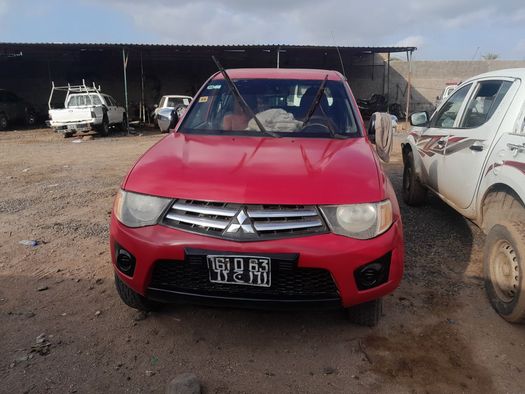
{"x": 316, "y": 123}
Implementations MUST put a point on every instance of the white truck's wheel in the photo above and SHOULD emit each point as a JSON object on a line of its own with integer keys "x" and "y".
{"x": 504, "y": 268}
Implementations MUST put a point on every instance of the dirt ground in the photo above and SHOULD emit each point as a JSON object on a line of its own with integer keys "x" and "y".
{"x": 438, "y": 333}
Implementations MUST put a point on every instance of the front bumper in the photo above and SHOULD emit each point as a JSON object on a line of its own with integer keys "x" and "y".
{"x": 338, "y": 255}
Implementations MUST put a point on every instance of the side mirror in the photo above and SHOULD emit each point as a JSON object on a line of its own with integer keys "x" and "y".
{"x": 372, "y": 129}
{"x": 419, "y": 119}
{"x": 174, "y": 119}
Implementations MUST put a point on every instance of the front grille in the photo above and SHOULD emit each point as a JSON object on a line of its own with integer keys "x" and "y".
{"x": 244, "y": 222}
{"x": 287, "y": 283}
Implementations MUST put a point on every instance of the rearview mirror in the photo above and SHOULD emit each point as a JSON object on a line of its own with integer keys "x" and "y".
{"x": 419, "y": 119}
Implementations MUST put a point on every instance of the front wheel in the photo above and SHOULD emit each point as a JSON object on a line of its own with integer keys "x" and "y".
{"x": 123, "y": 126}
{"x": 133, "y": 299}
{"x": 366, "y": 314}
{"x": 414, "y": 193}
{"x": 3, "y": 122}
{"x": 504, "y": 265}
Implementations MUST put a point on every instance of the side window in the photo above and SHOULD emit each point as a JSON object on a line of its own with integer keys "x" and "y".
{"x": 448, "y": 113}
{"x": 73, "y": 101}
{"x": 484, "y": 103}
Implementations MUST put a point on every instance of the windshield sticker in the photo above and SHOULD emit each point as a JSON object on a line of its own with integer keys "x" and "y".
{"x": 203, "y": 99}
{"x": 213, "y": 87}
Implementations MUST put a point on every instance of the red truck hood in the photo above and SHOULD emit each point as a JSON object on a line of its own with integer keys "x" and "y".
{"x": 259, "y": 170}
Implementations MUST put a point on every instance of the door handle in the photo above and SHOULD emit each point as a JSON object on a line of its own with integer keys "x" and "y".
{"x": 476, "y": 147}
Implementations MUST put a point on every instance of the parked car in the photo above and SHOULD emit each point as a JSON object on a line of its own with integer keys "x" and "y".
{"x": 170, "y": 102}
{"x": 449, "y": 89}
{"x": 471, "y": 153}
{"x": 256, "y": 201}
{"x": 13, "y": 109}
{"x": 85, "y": 108}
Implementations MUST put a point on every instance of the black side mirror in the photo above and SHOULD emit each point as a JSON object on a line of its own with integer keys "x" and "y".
{"x": 372, "y": 129}
{"x": 419, "y": 119}
{"x": 174, "y": 119}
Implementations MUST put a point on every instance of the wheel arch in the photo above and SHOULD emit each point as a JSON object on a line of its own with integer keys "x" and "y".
{"x": 498, "y": 187}
{"x": 405, "y": 149}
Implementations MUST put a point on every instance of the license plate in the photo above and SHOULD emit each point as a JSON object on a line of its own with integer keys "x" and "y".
{"x": 240, "y": 270}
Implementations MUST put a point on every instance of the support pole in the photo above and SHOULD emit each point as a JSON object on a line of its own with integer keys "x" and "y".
{"x": 409, "y": 82}
{"x": 125, "y": 67}
{"x": 142, "y": 104}
{"x": 278, "y": 57}
{"x": 388, "y": 81}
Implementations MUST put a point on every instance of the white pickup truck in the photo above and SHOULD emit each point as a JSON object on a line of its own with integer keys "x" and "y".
{"x": 471, "y": 153}
{"x": 85, "y": 109}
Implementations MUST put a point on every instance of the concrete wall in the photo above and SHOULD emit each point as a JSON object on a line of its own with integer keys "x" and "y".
{"x": 429, "y": 78}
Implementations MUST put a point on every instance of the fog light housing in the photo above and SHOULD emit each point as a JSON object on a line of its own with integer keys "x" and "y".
{"x": 125, "y": 261}
{"x": 373, "y": 274}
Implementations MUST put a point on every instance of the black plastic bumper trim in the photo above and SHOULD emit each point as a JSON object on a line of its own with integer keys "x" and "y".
{"x": 169, "y": 296}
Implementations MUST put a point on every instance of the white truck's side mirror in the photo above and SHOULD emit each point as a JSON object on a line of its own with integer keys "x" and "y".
{"x": 419, "y": 119}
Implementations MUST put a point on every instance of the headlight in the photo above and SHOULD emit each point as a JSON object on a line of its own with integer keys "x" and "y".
{"x": 138, "y": 210}
{"x": 361, "y": 221}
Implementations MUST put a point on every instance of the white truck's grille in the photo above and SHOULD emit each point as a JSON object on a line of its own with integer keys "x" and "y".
{"x": 244, "y": 222}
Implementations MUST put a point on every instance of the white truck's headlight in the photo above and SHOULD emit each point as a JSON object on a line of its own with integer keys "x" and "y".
{"x": 361, "y": 221}
{"x": 138, "y": 210}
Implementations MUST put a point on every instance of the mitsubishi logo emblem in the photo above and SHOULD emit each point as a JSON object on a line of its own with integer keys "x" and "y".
{"x": 241, "y": 223}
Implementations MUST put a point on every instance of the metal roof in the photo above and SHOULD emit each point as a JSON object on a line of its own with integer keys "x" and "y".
{"x": 67, "y": 45}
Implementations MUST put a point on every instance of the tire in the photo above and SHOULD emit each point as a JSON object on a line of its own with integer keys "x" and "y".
{"x": 3, "y": 122}
{"x": 103, "y": 129}
{"x": 31, "y": 119}
{"x": 504, "y": 268}
{"x": 414, "y": 193}
{"x": 123, "y": 126}
{"x": 366, "y": 314}
{"x": 133, "y": 299}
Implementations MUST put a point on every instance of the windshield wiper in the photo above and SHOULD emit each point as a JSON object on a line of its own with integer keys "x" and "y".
{"x": 246, "y": 108}
{"x": 313, "y": 107}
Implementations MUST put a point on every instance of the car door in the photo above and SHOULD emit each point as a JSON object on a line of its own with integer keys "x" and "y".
{"x": 469, "y": 142}
{"x": 112, "y": 116}
{"x": 432, "y": 141}
{"x": 118, "y": 110}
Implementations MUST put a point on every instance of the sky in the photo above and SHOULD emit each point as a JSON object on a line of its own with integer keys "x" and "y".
{"x": 441, "y": 29}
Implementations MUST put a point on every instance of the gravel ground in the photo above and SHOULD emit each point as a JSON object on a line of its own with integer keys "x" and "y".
{"x": 64, "y": 329}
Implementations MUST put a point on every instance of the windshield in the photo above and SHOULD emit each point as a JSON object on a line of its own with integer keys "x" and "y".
{"x": 174, "y": 101}
{"x": 281, "y": 105}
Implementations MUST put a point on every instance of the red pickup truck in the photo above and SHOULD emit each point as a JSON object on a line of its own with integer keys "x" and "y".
{"x": 268, "y": 193}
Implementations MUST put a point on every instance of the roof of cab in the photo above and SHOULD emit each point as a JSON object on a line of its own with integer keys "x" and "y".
{"x": 509, "y": 73}
{"x": 281, "y": 73}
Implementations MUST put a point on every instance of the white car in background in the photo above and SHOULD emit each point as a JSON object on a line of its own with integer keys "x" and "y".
{"x": 85, "y": 108}
{"x": 171, "y": 102}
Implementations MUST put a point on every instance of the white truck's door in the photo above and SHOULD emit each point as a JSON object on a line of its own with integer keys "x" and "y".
{"x": 112, "y": 115}
{"x": 432, "y": 141}
{"x": 469, "y": 142}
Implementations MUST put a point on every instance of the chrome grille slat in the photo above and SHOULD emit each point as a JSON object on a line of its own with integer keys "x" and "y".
{"x": 288, "y": 225}
{"x": 205, "y": 210}
{"x": 245, "y": 222}
{"x": 273, "y": 213}
{"x": 198, "y": 221}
